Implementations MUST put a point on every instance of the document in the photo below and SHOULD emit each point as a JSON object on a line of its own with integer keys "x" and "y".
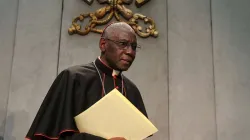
{"x": 115, "y": 116}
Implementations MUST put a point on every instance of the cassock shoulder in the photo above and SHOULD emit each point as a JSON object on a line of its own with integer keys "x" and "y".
{"x": 131, "y": 84}
{"x": 82, "y": 70}
{"x": 58, "y": 109}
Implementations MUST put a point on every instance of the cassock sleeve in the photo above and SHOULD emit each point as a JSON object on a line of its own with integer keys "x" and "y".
{"x": 139, "y": 103}
{"x": 55, "y": 117}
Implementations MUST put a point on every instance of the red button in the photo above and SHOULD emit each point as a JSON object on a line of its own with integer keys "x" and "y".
{"x": 116, "y": 87}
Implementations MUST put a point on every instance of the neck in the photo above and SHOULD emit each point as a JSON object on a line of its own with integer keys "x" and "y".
{"x": 105, "y": 62}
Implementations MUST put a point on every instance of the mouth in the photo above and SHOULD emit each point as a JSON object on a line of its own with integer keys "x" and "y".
{"x": 126, "y": 61}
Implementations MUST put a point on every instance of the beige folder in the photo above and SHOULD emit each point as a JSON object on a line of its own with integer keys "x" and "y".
{"x": 115, "y": 116}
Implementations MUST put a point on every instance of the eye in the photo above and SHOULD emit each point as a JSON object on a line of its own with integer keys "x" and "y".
{"x": 123, "y": 43}
{"x": 134, "y": 45}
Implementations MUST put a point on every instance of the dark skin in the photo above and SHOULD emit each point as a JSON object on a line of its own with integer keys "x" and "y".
{"x": 113, "y": 54}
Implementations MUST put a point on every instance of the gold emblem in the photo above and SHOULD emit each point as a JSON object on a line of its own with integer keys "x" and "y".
{"x": 114, "y": 8}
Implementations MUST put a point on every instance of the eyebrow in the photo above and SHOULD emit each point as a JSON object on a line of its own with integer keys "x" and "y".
{"x": 127, "y": 40}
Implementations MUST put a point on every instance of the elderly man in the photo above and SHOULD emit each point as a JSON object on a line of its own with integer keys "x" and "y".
{"x": 79, "y": 87}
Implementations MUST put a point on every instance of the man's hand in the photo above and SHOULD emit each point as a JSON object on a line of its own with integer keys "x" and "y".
{"x": 117, "y": 138}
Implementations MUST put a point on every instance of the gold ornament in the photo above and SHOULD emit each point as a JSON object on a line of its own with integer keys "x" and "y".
{"x": 114, "y": 8}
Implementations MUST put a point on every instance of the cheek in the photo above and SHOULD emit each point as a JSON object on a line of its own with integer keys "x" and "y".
{"x": 134, "y": 53}
{"x": 114, "y": 53}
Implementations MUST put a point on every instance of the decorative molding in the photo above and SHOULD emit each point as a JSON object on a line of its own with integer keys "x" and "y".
{"x": 89, "y": 2}
{"x": 140, "y": 3}
{"x": 114, "y": 8}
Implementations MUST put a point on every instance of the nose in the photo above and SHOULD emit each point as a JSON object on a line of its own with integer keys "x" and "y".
{"x": 130, "y": 51}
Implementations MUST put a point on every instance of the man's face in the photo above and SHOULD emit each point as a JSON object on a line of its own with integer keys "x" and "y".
{"x": 119, "y": 53}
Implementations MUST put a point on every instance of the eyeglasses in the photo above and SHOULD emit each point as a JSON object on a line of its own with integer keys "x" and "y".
{"x": 125, "y": 44}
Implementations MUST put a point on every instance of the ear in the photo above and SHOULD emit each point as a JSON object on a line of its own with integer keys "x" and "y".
{"x": 102, "y": 45}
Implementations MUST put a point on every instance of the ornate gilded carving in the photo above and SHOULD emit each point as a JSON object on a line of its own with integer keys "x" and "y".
{"x": 89, "y": 2}
{"x": 114, "y": 8}
{"x": 139, "y": 3}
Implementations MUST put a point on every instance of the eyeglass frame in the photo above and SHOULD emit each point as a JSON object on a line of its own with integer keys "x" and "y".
{"x": 118, "y": 43}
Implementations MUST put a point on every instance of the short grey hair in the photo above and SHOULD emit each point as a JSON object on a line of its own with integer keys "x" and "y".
{"x": 110, "y": 29}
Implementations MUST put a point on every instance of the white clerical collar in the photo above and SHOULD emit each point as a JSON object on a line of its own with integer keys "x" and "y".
{"x": 115, "y": 72}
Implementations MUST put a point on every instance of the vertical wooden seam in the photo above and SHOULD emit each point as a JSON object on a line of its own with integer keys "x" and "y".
{"x": 168, "y": 69}
{"x": 11, "y": 70}
{"x": 60, "y": 36}
{"x": 213, "y": 67}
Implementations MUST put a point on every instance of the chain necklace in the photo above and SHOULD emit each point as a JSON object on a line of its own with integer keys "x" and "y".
{"x": 103, "y": 87}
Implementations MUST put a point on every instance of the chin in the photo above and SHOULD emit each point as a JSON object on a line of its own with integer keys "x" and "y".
{"x": 124, "y": 68}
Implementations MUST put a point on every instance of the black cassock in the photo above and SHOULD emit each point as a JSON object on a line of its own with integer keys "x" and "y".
{"x": 74, "y": 90}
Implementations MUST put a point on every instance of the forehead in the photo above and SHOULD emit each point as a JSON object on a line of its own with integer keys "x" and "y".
{"x": 127, "y": 35}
